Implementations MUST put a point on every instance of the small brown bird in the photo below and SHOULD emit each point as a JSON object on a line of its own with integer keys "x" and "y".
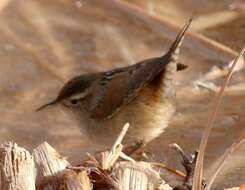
{"x": 142, "y": 94}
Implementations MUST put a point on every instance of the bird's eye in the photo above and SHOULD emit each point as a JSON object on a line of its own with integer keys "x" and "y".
{"x": 71, "y": 103}
{"x": 74, "y": 102}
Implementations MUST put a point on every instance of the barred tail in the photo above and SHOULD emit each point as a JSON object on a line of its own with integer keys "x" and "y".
{"x": 171, "y": 58}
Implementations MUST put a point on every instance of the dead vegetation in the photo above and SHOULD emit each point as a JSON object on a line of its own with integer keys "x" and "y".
{"x": 46, "y": 169}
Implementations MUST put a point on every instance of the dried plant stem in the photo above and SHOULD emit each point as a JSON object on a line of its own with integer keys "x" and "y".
{"x": 48, "y": 163}
{"x": 228, "y": 153}
{"x": 120, "y": 136}
{"x": 109, "y": 158}
{"x": 17, "y": 169}
{"x": 165, "y": 167}
{"x": 198, "y": 174}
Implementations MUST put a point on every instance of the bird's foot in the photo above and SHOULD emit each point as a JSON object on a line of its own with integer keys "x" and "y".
{"x": 133, "y": 148}
{"x": 135, "y": 151}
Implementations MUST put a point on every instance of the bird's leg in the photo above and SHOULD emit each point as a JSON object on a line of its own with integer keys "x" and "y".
{"x": 131, "y": 149}
{"x": 135, "y": 151}
{"x": 189, "y": 163}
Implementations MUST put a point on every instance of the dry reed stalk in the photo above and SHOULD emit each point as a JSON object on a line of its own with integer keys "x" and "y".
{"x": 109, "y": 158}
{"x": 228, "y": 153}
{"x": 198, "y": 174}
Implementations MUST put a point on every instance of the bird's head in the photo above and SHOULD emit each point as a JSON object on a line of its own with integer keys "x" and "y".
{"x": 74, "y": 92}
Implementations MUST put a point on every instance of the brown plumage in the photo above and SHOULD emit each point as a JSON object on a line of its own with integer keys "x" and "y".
{"x": 141, "y": 94}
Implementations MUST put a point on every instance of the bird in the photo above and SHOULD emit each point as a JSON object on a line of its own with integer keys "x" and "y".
{"x": 142, "y": 94}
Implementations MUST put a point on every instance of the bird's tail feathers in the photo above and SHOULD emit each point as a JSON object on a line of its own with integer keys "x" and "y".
{"x": 174, "y": 50}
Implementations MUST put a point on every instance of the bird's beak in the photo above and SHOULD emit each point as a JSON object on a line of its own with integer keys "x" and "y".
{"x": 46, "y": 105}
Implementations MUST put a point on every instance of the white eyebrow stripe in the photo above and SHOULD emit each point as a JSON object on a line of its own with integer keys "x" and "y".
{"x": 79, "y": 96}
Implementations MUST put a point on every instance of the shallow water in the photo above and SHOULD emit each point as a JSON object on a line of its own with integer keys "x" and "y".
{"x": 44, "y": 44}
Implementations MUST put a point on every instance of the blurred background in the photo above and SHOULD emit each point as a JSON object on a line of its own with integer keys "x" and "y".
{"x": 223, "y": 21}
{"x": 45, "y": 43}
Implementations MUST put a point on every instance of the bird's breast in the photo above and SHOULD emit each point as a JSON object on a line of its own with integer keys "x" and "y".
{"x": 148, "y": 115}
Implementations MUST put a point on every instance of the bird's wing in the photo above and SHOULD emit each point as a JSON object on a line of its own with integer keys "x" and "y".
{"x": 119, "y": 87}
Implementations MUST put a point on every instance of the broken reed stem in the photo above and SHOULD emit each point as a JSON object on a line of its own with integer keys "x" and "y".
{"x": 110, "y": 158}
{"x": 198, "y": 174}
{"x": 120, "y": 136}
{"x": 48, "y": 163}
{"x": 17, "y": 170}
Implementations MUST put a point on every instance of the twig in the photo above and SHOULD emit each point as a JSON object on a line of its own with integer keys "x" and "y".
{"x": 165, "y": 167}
